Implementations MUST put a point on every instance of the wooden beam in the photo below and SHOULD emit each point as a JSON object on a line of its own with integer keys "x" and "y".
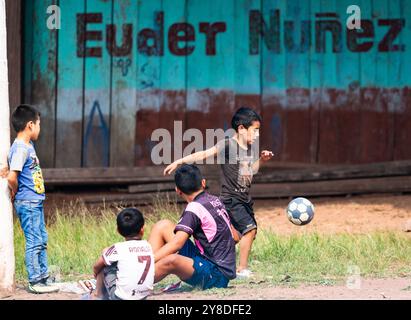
{"x": 114, "y": 176}
{"x": 384, "y": 169}
{"x": 333, "y": 187}
{"x": 151, "y": 187}
{"x": 14, "y": 50}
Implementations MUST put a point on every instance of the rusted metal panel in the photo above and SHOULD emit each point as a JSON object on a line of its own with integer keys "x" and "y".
{"x": 339, "y": 126}
{"x": 124, "y": 95}
{"x": 97, "y": 84}
{"x": 402, "y": 125}
{"x": 43, "y": 79}
{"x": 70, "y": 91}
{"x": 14, "y": 49}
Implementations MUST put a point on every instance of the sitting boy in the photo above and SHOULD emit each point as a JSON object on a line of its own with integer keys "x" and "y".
{"x": 125, "y": 271}
{"x": 211, "y": 261}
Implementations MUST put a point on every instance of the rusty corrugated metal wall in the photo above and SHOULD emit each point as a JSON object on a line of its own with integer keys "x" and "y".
{"x": 117, "y": 70}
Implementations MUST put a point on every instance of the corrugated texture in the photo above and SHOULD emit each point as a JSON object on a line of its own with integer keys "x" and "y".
{"x": 117, "y": 70}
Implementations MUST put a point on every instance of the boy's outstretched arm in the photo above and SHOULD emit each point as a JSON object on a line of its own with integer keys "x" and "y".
{"x": 265, "y": 156}
{"x": 191, "y": 158}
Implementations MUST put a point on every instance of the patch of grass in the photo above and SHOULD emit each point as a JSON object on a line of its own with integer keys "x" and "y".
{"x": 77, "y": 236}
{"x": 318, "y": 258}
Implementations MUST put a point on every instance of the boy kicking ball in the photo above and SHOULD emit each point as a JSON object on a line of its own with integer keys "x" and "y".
{"x": 240, "y": 163}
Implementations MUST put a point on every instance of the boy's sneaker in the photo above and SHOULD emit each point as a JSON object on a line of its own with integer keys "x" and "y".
{"x": 41, "y": 287}
{"x": 49, "y": 281}
{"x": 172, "y": 287}
{"x": 244, "y": 274}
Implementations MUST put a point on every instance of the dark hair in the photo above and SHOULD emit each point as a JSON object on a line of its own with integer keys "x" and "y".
{"x": 188, "y": 178}
{"x": 244, "y": 116}
{"x": 23, "y": 114}
{"x": 129, "y": 222}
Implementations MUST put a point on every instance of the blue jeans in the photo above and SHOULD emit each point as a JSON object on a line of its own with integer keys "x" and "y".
{"x": 31, "y": 216}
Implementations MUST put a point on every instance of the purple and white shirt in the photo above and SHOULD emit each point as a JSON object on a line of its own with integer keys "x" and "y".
{"x": 206, "y": 219}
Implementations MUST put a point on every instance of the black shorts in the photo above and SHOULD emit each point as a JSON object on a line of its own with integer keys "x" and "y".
{"x": 241, "y": 215}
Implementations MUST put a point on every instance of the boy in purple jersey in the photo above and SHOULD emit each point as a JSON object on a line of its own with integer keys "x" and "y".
{"x": 208, "y": 263}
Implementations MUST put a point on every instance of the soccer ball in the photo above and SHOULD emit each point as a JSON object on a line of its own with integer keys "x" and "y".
{"x": 300, "y": 211}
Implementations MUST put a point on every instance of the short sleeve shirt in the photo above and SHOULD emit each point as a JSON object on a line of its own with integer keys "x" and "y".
{"x": 23, "y": 158}
{"x": 135, "y": 268}
{"x": 207, "y": 221}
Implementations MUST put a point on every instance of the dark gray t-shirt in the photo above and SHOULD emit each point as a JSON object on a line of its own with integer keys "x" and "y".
{"x": 236, "y": 169}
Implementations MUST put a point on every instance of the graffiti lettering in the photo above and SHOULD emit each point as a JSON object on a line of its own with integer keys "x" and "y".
{"x": 387, "y": 43}
{"x": 150, "y": 41}
{"x": 269, "y": 31}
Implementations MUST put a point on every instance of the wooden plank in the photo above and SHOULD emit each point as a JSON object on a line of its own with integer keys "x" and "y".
{"x": 395, "y": 64}
{"x": 247, "y": 67}
{"x": 44, "y": 80}
{"x": 28, "y": 49}
{"x": 148, "y": 78}
{"x": 376, "y": 121}
{"x": 124, "y": 74}
{"x": 340, "y": 100}
{"x": 97, "y": 90}
{"x": 403, "y": 126}
{"x": 165, "y": 187}
{"x": 329, "y": 188}
{"x": 151, "y": 187}
{"x": 297, "y": 111}
{"x": 85, "y": 176}
{"x": 173, "y": 69}
{"x": 400, "y": 168}
{"x": 402, "y": 116}
{"x": 268, "y": 191}
{"x": 210, "y": 69}
{"x": 272, "y": 75}
{"x": 130, "y": 199}
{"x": 70, "y": 86}
{"x": 14, "y": 50}
{"x": 98, "y": 176}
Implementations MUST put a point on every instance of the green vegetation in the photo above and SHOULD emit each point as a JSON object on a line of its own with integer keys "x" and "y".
{"x": 78, "y": 234}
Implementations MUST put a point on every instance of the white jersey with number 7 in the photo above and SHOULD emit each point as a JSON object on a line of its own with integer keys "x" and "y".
{"x": 135, "y": 264}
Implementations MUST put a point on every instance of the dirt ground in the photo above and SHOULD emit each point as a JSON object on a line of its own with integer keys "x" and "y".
{"x": 332, "y": 215}
{"x": 369, "y": 289}
{"x": 359, "y": 214}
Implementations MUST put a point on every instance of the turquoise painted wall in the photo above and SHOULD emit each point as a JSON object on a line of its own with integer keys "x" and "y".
{"x": 112, "y": 59}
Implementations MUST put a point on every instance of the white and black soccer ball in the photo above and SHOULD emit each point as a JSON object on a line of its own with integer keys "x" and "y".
{"x": 300, "y": 211}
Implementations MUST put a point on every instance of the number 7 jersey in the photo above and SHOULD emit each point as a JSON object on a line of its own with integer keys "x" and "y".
{"x": 135, "y": 268}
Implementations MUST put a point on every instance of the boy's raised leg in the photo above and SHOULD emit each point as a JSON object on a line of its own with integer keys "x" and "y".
{"x": 161, "y": 233}
{"x": 175, "y": 264}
